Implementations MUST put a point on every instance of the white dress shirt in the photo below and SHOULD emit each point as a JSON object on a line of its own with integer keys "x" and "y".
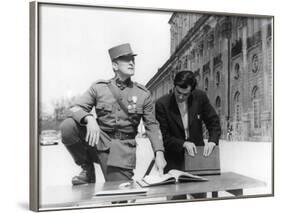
{"x": 184, "y": 116}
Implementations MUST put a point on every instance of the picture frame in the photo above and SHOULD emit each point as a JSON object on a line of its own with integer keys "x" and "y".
{"x": 249, "y": 46}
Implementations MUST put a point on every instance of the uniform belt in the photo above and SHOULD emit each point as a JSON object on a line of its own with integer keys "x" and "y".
{"x": 121, "y": 135}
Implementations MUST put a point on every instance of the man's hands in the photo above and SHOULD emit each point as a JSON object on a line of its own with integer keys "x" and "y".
{"x": 190, "y": 148}
{"x": 160, "y": 162}
{"x": 208, "y": 148}
{"x": 93, "y": 131}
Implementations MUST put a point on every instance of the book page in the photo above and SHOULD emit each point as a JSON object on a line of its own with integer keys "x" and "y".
{"x": 181, "y": 175}
{"x": 175, "y": 173}
{"x": 154, "y": 179}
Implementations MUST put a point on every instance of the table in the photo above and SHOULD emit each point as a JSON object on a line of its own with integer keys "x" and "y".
{"x": 58, "y": 197}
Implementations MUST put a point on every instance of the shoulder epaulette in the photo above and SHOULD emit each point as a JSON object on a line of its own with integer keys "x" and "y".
{"x": 102, "y": 82}
{"x": 141, "y": 87}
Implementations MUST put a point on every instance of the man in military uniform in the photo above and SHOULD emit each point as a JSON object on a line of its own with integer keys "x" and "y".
{"x": 109, "y": 138}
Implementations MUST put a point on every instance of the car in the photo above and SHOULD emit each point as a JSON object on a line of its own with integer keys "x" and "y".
{"x": 49, "y": 137}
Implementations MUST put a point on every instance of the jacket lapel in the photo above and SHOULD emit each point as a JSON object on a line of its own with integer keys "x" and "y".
{"x": 175, "y": 112}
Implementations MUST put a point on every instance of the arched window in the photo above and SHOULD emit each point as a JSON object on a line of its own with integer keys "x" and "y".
{"x": 218, "y": 105}
{"x": 255, "y": 63}
{"x": 237, "y": 97}
{"x": 218, "y": 78}
{"x": 236, "y": 71}
{"x": 256, "y": 107}
{"x": 218, "y": 102}
{"x": 237, "y": 106}
{"x": 255, "y": 92}
{"x": 206, "y": 84}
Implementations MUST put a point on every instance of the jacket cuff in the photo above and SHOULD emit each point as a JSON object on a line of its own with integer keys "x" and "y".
{"x": 80, "y": 115}
{"x": 159, "y": 150}
{"x": 216, "y": 141}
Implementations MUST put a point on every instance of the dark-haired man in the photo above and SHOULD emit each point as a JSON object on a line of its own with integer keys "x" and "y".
{"x": 109, "y": 138}
{"x": 180, "y": 115}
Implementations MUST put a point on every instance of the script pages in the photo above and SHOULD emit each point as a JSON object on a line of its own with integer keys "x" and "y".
{"x": 173, "y": 176}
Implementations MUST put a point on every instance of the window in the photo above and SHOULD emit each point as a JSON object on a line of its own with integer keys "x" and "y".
{"x": 237, "y": 107}
{"x": 256, "y": 114}
{"x": 218, "y": 102}
{"x": 236, "y": 71}
{"x": 255, "y": 63}
{"x": 238, "y": 113}
{"x": 218, "y": 105}
{"x": 218, "y": 78}
{"x": 206, "y": 84}
{"x": 256, "y": 107}
{"x": 237, "y": 97}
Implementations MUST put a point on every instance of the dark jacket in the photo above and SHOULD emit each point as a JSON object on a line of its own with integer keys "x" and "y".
{"x": 169, "y": 118}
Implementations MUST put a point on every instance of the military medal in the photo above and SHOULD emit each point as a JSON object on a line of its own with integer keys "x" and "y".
{"x": 132, "y": 104}
{"x": 134, "y": 99}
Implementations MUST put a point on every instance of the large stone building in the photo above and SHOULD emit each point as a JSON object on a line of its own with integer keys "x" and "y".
{"x": 232, "y": 59}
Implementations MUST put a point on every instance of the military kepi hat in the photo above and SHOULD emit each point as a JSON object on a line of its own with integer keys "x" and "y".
{"x": 120, "y": 50}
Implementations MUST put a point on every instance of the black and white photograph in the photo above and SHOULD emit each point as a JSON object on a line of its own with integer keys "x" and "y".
{"x": 133, "y": 106}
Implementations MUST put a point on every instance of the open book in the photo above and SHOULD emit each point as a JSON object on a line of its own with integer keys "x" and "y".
{"x": 173, "y": 176}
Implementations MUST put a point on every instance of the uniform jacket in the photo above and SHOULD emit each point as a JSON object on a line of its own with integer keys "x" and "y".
{"x": 170, "y": 120}
{"x": 112, "y": 118}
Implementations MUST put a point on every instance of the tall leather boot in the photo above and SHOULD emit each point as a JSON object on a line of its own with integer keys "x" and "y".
{"x": 80, "y": 154}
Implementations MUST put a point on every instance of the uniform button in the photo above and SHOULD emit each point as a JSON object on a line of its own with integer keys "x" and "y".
{"x": 118, "y": 109}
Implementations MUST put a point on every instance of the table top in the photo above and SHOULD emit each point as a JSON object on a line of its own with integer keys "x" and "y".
{"x": 74, "y": 196}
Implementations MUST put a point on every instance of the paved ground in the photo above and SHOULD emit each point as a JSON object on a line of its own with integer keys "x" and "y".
{"x": 57, "y": 166}
{"x": 249, "y": 158}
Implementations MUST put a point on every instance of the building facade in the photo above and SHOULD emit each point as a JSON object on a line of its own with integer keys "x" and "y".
{"x": 231, "y": 57}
